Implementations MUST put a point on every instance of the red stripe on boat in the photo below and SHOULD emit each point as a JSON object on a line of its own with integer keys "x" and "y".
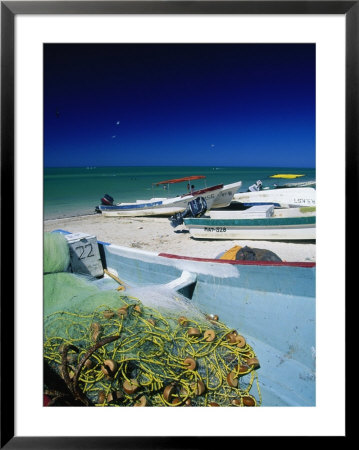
{"x": 181, "y": 180}
{"x": 204, "y": 190}
{"x": 243, "y": 263}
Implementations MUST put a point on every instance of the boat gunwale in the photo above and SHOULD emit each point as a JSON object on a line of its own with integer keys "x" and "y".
{"x": 240, "y": 262}
{"x": 203, "y": 191}
{"x": 197, "y": 259}
{"x": 138, "y": 252}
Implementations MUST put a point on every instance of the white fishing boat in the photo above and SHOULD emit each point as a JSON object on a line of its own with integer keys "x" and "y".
{"x": 282, "y": 198}
{"x": 225, "y": 196}
{"x": 263, "y": 211}
{"x": 257, "y": 225}
{"x": 296, "y": 185}
{"x": 215, "y": 196}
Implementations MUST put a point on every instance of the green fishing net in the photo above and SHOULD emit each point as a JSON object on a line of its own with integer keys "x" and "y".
{"x": 56, "y": 253}
{"x": 110, "y": 348}
{"x": 71, "y": 292}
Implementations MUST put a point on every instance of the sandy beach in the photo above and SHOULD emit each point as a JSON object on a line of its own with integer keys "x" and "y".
{"x": 156, "y": 234}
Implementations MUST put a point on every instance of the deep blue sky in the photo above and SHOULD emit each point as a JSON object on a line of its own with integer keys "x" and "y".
{"x": 174, "y": 104}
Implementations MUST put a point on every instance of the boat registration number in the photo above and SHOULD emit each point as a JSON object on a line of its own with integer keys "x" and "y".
{"x": 84, "y": 254}
{"x": 215, "y": 229}
{"x": 303, "y": 201}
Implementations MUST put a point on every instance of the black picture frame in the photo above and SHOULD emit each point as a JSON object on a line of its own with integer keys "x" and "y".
{"x": 9, "y": 10}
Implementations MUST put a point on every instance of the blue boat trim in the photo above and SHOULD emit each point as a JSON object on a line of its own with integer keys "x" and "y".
{"x": 61, "y": 231}
{"x": 260, "y": 203}
{"x": 275, "y": 221}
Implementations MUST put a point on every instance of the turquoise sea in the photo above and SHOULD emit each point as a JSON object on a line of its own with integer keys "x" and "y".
{"x": 74, "y": 191}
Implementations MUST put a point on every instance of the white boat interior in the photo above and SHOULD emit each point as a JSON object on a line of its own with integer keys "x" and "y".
{"x": 260, "y": 211}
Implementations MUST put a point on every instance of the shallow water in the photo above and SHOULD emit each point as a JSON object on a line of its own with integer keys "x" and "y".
{"x": 74, "y": 191}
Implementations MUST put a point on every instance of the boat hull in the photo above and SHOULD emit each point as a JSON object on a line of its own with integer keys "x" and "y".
{"x": 296, "y": 228}
{"x": 225, "y": 196}
{"x": 277, "y": 212}
{"x": 271, "y": 304}
{"x": 291, "y": 197}
{"x": 288, "y": 176}
{"x": 163, "y": 207}
{"x": 143, "y": 212}
{"x": 302, "y": 184}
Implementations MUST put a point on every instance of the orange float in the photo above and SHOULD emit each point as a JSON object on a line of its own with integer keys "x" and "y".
{"x": 101, "y": 397}
{"x": 241, "y": 342}
{"x": 248, "y": 400}
{"x": 122, "y": 312}
{"x": 193, "y": 332}
{"x": 232, "y": 379}
{"x": 190, "y": 363}
{"x": 231, "y": 337}
{"x": 168, "y": 392}
{"x": 142, "y": 401}
{"x": 199, "y": 387}
{"x": 253, "y": 362}
{"x": 183, "y": 321}
{"x": 109, "y": 368}
{"x": 209, "y": 335}
{"x": 96, "y": 330}
{"x": 130, "y": 386}
{"x": 108, "y": 314}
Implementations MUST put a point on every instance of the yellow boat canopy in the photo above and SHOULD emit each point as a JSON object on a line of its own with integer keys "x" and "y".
{"x": 286, "y": 175}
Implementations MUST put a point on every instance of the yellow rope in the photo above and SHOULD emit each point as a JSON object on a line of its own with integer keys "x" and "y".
{"x": 153, "y": 354}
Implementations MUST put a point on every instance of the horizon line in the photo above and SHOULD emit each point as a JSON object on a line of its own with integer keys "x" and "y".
{"x": 179, "y": 165}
